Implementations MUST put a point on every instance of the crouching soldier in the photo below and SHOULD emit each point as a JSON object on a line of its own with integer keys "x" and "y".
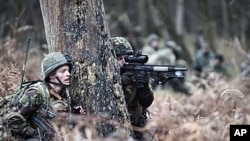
{"x": 39, "y": 104}
{"x": 138, "y": 97}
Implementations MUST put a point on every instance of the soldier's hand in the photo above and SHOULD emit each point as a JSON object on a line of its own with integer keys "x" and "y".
{"x": 142, "y": 77}
{"x": 80, "y": 110}
{"x": 163, "y": 77}
{"x": 127, "y": 78}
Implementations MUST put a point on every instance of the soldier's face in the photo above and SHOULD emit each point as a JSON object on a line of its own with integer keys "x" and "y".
{"x": 121, "y": 60}
{"x": 155, "y": 44}
{"x": 216, "y": 62}
{"x": 63, "y": 74}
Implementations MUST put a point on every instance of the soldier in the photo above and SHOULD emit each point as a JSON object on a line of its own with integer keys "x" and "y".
{"x": 152, "y": 44}
{"x": 170, "y": 56}
{"x": 202, "y": 59}
{"x": 217, "y": 65}
{"x": 39, "y": 104}
{"x": 158, "y": 52}
{"x": 199, "y": 40}
{"x": 164, "y": 56}
{"x": 138, "y": 98}
{"x": 245, "y": 67}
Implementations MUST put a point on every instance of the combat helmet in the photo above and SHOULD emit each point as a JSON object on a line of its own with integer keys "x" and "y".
{"x": 152, "y": 37}
{"x": 121, "y": 46}
{"x": 171, "y": 44}
{"x": 54, "y": 60}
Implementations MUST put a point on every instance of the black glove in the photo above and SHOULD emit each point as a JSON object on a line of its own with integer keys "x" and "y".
{"x": 163, "y": 77}
{"x": 142, "y": 79}
{"x": 145, "y": 96}
{"x": 127, "y": 78}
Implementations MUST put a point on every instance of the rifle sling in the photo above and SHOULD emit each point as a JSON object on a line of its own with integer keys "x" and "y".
{"x": 52, "y": 92}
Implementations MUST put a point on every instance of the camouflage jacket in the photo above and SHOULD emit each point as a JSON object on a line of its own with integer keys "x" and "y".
{"x": 162, "y": 56}
{"x": 201, "y": 60}
{"x": 137, "y": 99}
{"x": 37, "y": 104}
{"x": 221, "y": 69}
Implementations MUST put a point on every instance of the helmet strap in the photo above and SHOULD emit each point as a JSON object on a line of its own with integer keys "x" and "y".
{"x": 60, "y": 82}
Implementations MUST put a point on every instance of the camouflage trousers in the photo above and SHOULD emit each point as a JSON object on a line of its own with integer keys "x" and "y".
{"x": 140, "y": 122}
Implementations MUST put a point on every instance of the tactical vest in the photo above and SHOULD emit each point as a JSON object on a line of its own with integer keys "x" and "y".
{"x": 11, "y": 101}
{"x": 8, "y": 102}
{"x": 49, "y": 107}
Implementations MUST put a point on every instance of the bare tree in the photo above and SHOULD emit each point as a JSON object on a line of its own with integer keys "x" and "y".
{"x": 78, "y": 28}
{"x": 179, "y": 18}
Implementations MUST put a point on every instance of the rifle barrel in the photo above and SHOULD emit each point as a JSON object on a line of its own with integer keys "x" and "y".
{"x": 156, "y": 68}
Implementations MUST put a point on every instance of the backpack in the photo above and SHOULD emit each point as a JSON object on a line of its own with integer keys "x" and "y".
{"x": 9, "y": 102}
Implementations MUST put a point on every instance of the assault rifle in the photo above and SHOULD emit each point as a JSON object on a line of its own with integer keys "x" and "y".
{"x": 40, "y": 121}
{"x": 160, "y": 73}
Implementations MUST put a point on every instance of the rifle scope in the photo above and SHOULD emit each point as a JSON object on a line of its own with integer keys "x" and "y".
{"x": 137, "y": 59}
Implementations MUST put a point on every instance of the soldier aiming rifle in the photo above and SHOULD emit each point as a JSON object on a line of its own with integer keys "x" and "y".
{"x": 135, "y": 83}
{"x": 37, "y": 103}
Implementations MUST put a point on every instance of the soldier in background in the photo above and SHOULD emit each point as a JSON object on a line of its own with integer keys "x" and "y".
{"x": 217, "y": 65}
{"x": 164, "y": 56}
{"x": 138, "y": 98}
{"x": 171, "y": 56}
{"x": 202, "y": 59}
{"x": 158, "y": 52}
{"x": 199, "y": 40}
{"x": 245, "y": 67}
{"x": 152, "y": 45}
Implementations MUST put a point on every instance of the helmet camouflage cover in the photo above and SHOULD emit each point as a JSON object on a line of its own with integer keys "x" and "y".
{"x": 54, "y": 60}
{"x": 152, "y": 37}
{"x": 121, "y": 46}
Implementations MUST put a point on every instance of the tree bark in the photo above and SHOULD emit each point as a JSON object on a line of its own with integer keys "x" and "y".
{"x": 208, "y": 23}
{"x": 78, "y": 28}
{"x": 157, "y": 22}
{"x": 224, "y": 18}
{"x": 179, "y": 18}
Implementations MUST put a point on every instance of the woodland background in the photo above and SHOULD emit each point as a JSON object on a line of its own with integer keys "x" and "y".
{"x": 207, "y": 114}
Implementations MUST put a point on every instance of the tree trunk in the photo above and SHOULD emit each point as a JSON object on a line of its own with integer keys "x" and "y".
{"x": 79, "y": 29}
{"x": 157, "y": 21}
{"x": 224, "y": 18}
{"x": 179, "y": 18}
{"x": 142, "y": 16}
{"x": 208, "y": 23}
{"x": 171, "y": 28}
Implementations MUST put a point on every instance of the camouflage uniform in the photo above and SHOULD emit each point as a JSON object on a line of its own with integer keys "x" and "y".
{"x": 150, "y": 47}
{"x": 202, "y": 59}
{"x": 39, "y": 103}
{"x": 162, "y": 56}
{"x": 199, "y": 40}
{"x": 245, "y": 67}
{"x": 217, "y": 66}
{"x": 157, "y": 53}
{"x": 138, "y": 99}
{"x": 169, "y": 56}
